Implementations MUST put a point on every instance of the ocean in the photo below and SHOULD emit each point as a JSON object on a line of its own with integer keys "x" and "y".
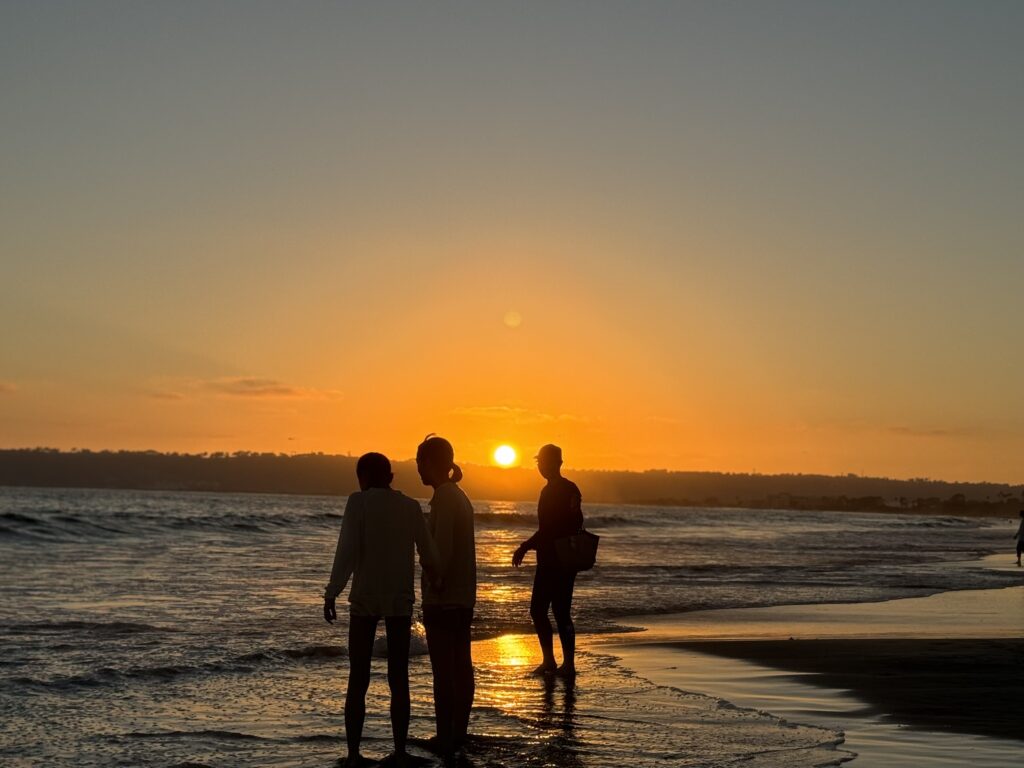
{"x": 185, "y": 629}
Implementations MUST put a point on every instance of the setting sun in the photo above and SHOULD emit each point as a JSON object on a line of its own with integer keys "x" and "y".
{"x": 505, "y": 456}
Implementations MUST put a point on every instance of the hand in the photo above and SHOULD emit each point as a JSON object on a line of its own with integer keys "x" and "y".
{"x": 517, "y": 557}
{"x": 330, "y": 612}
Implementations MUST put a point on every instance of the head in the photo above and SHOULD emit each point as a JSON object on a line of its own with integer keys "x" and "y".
{"x": 549, "y": 461}
{"x": 435, "y": 461}
{"x": 374, "y": 471}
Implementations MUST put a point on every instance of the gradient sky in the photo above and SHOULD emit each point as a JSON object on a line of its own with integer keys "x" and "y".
{"x": 741, "y": 236}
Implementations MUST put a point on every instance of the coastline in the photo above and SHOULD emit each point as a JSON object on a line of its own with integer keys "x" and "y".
{"x": 910, "y": 681}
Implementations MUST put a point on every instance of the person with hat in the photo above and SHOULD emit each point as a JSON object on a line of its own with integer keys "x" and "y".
{"x": 559, "y": 514}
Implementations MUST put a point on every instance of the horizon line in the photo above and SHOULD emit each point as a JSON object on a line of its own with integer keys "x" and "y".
{"x": 526, "y": 467}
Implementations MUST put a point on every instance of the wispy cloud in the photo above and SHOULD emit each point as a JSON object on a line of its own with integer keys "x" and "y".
{"x": 516, "y": 415}
{"x": 252, "y": 387}
{"x": 7, "y": 387}
{"x": 160, "y": 394}
{"x": 243, "y": 387}
{"x": 951, "y": 432}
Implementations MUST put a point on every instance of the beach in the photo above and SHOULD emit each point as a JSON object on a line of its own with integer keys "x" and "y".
{"x": 185, "y": 629}
{"x": 935, "y": 680}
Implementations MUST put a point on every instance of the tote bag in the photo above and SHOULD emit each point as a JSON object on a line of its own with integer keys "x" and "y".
{"x": 577, "y": 552}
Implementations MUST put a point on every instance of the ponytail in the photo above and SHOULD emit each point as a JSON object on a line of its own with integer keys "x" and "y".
{"x": 437, "y": 450}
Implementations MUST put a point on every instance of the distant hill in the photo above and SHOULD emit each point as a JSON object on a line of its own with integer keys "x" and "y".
{"x": 317, "y": 473}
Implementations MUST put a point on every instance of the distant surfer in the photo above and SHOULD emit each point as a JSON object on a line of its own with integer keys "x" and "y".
{"x": 379, "y": 533}
{"x": 1019, "y": 536}
{"x": 559, "y": 514}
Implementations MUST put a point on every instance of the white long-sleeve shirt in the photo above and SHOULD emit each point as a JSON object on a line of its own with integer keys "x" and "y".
{"x": 451, "y": 526}
{"x": 380, "y": 533}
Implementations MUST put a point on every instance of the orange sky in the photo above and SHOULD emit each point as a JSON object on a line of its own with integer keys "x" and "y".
{"x": 734, "y": 241}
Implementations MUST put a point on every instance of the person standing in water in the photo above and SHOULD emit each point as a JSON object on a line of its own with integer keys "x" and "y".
{"x": 448, "y": 601}
{"x": 559, "y": 514}
{"x": 379, "y": 533}
{"x": 1019, "y": 536}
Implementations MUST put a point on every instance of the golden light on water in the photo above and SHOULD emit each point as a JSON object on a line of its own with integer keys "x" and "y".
{"x": 516, "y": 650}
{"x": 505, "y": 456}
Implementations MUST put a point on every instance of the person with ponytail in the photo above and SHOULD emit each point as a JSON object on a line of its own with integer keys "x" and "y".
{"x": 449, "y": 598}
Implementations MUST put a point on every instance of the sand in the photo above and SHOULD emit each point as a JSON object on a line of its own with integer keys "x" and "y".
{"x": 923, "y": 681}
{"x": 968, "y": 686}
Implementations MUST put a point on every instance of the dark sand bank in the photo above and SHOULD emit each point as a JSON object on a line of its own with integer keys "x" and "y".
{"x": 931, "y": 681}
{"x": 962, "y": 685}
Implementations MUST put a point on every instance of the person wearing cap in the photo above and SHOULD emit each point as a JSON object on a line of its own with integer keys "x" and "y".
{"x": 559, "y": 514}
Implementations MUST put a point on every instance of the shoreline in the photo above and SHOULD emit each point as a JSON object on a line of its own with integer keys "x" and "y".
{"x": 911, "y": 681}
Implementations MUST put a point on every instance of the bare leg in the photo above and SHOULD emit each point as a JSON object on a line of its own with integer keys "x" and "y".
{"x": 361, "y": 630}
{"x": 398, "y": 678}
{"x": 440, "y": 647}
{"x": 465, "y": 686}
{"x": 539, "y": 603}
{"x": 562, "y": 608}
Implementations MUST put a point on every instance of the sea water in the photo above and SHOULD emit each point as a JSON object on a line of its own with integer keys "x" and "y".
{"x": 160, "y": 628}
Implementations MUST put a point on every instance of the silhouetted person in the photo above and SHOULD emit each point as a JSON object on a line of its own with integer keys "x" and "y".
{"x": 559, "y": 514}
{"x": 379, "y": 534}
{"x": 1019, "y": 536}
{"x": 448, "y": 602}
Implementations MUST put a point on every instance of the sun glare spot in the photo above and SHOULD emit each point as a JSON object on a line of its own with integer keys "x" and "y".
{"x": 505, "y": 456}
{"x": 513, "y": 319}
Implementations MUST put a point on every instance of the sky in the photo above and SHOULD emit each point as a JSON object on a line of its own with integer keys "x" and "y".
{"x": 772, "y": 237}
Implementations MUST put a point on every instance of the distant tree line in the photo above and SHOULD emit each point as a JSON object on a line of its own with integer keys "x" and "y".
{"x": 318, "y": 473}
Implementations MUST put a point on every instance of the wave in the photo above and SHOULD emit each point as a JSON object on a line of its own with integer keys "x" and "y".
{"x": 237, "y": 664}
{"x": 57, "y": 525}
{"x": 53, "y": 524}
{"x": 203, "y": 734}
{"x": 96, "y": 627}
{"x": 309, "y": 652}
{"x": 529, "y": 520}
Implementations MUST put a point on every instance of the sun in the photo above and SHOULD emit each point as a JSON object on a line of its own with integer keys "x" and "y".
{"x": 505, "y": 456}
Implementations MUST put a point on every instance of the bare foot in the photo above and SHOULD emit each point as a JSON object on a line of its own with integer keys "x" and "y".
{"x": 547, "y": 668}
{"x": 566, "y": 670}
{"x": 355, "y": 761}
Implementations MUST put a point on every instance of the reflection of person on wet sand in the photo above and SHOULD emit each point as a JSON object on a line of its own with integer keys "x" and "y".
{"x": 559, "y": 514}
{"x": 378, "y": 536}
{"x": 1019, "y": 536}
{"x": 563, "y": 748}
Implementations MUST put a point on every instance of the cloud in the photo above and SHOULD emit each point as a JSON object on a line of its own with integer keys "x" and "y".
{"x": 927, "y": 432}
{"x": 242, "y": 387}
{"x": 251, "y": 387}
{"x": 7, "y": 387}
{"x": 942, "y": 432}
{"x": 516, "y": 415}
{"x": 165, "y": 395}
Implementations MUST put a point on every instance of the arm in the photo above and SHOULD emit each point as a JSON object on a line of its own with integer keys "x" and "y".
{"x": 344, "y": 558}
{"x": 429, "y": 558}
{"x": 576, "y": 510}
{"x": 522, "y": 549}
{"x": 444, "y": 539}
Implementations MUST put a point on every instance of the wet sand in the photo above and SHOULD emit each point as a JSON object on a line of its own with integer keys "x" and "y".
{"x": 967, "y": 686}
{"x": 936, "y": 680}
